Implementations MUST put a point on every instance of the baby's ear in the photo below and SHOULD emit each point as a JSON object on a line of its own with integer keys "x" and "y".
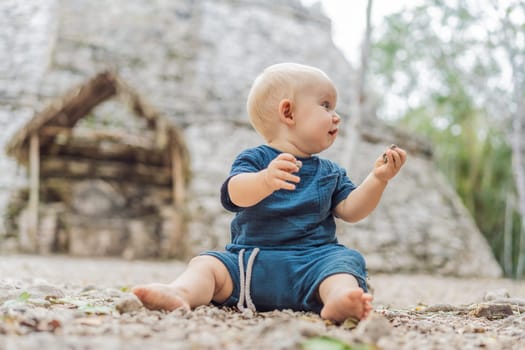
{"x": 286, "y": 111}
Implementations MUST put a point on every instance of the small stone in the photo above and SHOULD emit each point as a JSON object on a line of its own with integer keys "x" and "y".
{"x": 7, "y": 293}
{"x": 373, "y": 328}
{"x": 89, "y": 289}
{"x": 474, "y": 329}
{"x": 496, "y": 294}
{"x": 128, "y": 303}
{"x": 492, "y": 311}
{"x": 45, "y": 291}
{"x": 385, "y": 158}
{"x": 113, "y": 293}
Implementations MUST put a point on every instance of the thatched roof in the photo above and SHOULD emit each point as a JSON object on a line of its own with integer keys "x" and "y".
{"x": 64, "y": 112}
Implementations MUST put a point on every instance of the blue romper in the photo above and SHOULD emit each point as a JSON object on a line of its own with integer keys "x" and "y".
{"x": 283, "y": 247}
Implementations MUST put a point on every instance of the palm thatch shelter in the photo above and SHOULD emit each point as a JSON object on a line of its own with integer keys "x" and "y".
{"x": 95, "y": 190}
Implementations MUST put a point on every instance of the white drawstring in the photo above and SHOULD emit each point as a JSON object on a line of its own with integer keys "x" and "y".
{"x": 244, "y": 294}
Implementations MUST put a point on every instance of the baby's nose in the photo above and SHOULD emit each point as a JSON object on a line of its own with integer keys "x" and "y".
{"x": 336, "y": 118}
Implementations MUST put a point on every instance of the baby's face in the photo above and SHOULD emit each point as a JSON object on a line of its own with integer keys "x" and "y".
{"x": 316, "y": 122}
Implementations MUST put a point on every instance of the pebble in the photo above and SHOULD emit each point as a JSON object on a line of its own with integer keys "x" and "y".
{"x": 373, "y": 328}
{"x": 496, "y": 294}
{"x": 45, "y": 291}
{"x": 492, "y": 311}
{"x": 128, "y": 303}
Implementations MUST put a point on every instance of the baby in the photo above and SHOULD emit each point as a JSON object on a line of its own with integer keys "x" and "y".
{"x": 284, "y": 252}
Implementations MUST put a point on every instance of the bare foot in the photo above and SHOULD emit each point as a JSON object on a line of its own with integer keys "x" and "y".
{"x": 342, "y": 304}
{"x": 157, "y": 296}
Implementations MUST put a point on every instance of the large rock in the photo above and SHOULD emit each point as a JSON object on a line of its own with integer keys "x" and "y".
{"x": 421, "y": 224}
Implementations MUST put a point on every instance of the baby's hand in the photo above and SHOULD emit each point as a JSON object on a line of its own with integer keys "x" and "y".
{"x": 389, "y": 164}
{"x": 279, "y": 174}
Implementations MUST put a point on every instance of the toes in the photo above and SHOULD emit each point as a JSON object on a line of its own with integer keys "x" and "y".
{"x": 355, "y": 295}
{"x": 159, "y": 297}
{"x": 139, "y": 291}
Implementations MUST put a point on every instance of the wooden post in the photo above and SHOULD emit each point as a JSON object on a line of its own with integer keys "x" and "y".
{"x": 177, "y": 178}
{"x": 34, "y": 176}
{"x": 162, "y": 134}
{"x": 173, "y": 244}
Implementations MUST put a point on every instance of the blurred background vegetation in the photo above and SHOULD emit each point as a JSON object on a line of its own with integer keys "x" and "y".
{"x": 454, "y": 71}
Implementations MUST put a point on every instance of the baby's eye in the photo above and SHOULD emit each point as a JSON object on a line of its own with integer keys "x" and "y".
{"x": 326, "y": 104}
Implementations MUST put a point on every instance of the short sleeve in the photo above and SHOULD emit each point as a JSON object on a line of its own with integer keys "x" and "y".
{"x": 248, "y": 161}
{"x": 344, "y": 187}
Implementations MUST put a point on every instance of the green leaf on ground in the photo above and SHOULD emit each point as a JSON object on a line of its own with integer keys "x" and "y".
{"x": 86, "y": 306}
{"x": 328, "y": 343}
{"x": 350, "y": 323}
{"x": 23, "y": 297}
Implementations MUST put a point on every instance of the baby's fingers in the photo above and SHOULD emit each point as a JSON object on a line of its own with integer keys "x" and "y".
{"x": 402, "y": 155}
{"x": 281, "y": 179}
{"x": 398, "y": 156}
{"x": 287, "y": 162}
{"x": 280, "y": 172}
{"x": 395, "y": 156}
{"x": 287, "y": 180}
{"x": 283, "y": 185}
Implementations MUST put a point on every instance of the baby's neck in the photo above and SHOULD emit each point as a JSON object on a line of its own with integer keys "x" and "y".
{"x": 288, "y": 147}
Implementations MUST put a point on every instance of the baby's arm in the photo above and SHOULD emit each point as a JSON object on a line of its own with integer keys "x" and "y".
{"x": 247, "y": 189}
{"x": 361, "y": 201}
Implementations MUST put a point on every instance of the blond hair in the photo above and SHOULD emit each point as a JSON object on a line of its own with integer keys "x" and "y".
{"x": 275, "y": 83}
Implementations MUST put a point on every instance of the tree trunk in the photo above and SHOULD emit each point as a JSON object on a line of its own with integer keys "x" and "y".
{"x": 515, "y": 56}
{"x": 507, "y": 234}
{"x": 518, "y": 169}
{"x": 358, "y": 101}
{"x": 518, "y": 165}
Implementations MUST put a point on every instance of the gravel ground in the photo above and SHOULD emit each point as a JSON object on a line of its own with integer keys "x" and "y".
{"x": 60, "y": 302}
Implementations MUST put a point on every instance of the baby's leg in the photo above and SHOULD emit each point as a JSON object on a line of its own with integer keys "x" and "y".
{"x": 205, "y": 279}
{"x": 343, "y": 298}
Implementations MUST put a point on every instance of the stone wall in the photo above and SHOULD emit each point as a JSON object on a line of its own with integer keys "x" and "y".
{"x": 195, "y": 60}
{"x": 26, "y": 42}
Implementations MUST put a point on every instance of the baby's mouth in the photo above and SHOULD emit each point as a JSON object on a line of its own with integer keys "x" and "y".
{"x": 333, "y": 132}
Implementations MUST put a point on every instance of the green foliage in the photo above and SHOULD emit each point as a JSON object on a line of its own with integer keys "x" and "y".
{"x": 87, "y": 307}
{"x": 434, "y": 57}
{"x": 329, "y": 343}
{"x": 24, "y": 297}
